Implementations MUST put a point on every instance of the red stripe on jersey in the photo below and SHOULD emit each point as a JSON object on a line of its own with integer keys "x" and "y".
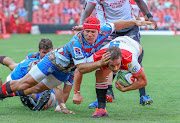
{"x": 107, "y": 31}
{"x": 72, "y": 47}
{"x": 132, "y": 2}
{"x": 104, "y": 12}
{"x": 92, "y": 2}
{"x": 89, "y": 49}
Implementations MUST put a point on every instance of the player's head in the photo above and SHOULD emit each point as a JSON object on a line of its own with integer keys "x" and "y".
{"x": 91, "y": 28}
{"x": 115, "y": 60}
{"x": 45, "y": 45}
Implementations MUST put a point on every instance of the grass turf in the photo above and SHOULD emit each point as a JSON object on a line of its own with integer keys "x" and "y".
{"x": 161, "y": 64}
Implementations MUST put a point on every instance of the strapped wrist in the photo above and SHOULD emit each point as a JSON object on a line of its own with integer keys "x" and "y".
{"x": 149, "y": 15}
{"x": 76, "y": 91}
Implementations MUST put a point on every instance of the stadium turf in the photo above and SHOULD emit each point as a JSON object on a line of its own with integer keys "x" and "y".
{"x": 161, "y": 65}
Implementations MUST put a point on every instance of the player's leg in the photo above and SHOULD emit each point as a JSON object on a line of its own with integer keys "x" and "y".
{"x": 66, "y": 91}
{"x": 0, "y": 82}
{"x": 8, "y": 62}
{"x": 101, "y": 90}
{"x": 144, "y": 99}
{"x": 134, "y": 33}
{"x": 17, "y": 85}
{"x": 32, "y": 78}
{"x": 110, "y": 93}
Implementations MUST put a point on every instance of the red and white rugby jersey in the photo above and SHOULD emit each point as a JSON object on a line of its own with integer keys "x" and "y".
{"x": 99, "y": 14}
{"x": 114, "y": 10}
{"x": 130, "y": 52}
{"x": 135, "y": 7}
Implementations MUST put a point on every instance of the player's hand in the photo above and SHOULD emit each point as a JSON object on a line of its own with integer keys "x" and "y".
{"x": 143, "y": 23}
{"x": 137, "y": 18}
{"x": 105, "y": 59}
{"x": 154, "y": 22}
{"x": 119, "y": 86}
{"x": 64, "y": 110}
{"x": 77, "y": 98}
{"x": 77, "y": 28}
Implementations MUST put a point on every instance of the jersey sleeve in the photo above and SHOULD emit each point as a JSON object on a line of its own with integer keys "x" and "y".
{"x": 92, "y": 1}
{"x": 134, "y": 67}
{"x": 77, "y": 53}
{"x": 29, "y": 55}
{"x": 107, "y": 29}
{"x": 98, "y": 56}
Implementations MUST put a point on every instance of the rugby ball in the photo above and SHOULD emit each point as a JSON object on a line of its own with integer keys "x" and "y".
{"x": 125, "y": 78}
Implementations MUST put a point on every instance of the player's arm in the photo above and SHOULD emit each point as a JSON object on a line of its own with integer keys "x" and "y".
{"x": 120, "y": 24}
{"x": 66, "y": 91}
{"x": 87, "y": 12}
{"x": 60, "y": 99}
{"x": 89, "y": 67}
{"x": 88, "y": 9}
{"x": 77, "y": 98}
{"x": 85, "y": 68}
{"x": 144, "y": 9}
{"x": 141, "y": 82}
{"x": 8, "y": 62}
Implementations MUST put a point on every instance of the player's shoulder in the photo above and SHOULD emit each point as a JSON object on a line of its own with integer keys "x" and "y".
{"x": 77, "y": 39}
{"x": 32, "y": 55}
{"x": 126, "y": 54}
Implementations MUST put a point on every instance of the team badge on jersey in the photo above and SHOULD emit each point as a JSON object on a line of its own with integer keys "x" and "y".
{"x": 77, "y": 52}
{"x": 135, "y": 69}
{"x": 129, "y": 65}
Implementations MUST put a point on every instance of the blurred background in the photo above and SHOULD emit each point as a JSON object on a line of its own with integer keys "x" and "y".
{"x": 52, "y": 16}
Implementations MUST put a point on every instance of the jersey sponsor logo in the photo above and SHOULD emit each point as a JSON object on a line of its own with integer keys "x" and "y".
{"x": 77, "y": 52}
{"x": 129, "y": 65}
{"x": 135, "y": 69}
{"x": 116, "y": 4}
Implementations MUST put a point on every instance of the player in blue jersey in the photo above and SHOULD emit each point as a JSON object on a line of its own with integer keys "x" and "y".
{"x": 45, "y": 45}
{"x": 38, "y": 101}
{"x": 57, "y": 65}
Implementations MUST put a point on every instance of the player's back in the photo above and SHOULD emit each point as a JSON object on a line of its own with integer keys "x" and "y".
{"x": 33, "y": 55}
{"x": 126, "y": 43}
{"x": 22, "y": 68}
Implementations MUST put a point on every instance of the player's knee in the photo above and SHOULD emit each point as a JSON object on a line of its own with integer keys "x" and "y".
{"x": 144, "y": 83}
{"x": 38, "y": 90}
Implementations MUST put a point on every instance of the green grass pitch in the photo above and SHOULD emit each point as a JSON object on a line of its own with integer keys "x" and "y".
{"x": 161, "y": 64}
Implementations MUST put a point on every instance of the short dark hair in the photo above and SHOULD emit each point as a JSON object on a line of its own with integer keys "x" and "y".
{"x": 45, "y": 43}
{"x": 115, "y": 52}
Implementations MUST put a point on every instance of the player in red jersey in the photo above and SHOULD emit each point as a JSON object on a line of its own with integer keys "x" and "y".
{"x": 126, "y": 54}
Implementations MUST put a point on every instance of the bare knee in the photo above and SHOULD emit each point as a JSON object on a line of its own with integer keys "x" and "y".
{"x": 37, "y": 89}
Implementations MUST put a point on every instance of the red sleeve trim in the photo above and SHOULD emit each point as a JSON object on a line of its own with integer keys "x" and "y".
{"x": 91, "y": 2}
{"x": 138, "y": 71}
